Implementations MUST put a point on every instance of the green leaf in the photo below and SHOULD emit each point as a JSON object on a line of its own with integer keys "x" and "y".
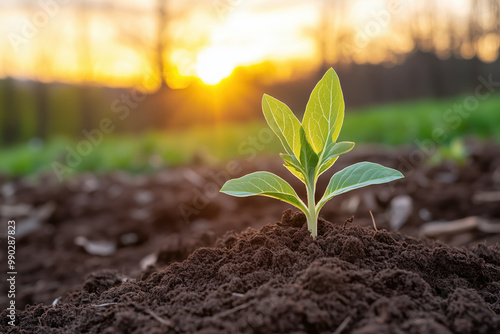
{"x": 326, "y": 165}
{"x": 324, "y": 113}
{"x": 357, "y": 176}
{"x": 264, "y": 184}
{"x": 293, "y": 165}
{"x": 335, "y": 150}
{"x": 283, "y": 122}
{"x": 308, "y": 158}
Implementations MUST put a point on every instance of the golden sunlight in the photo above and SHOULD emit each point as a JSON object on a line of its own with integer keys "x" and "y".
{"x": 225, "y": 50}
{"x": 213, "y": 65}
{"x": 117, "y": 46}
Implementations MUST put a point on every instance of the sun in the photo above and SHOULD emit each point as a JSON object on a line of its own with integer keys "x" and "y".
{"x": 213, "y": 65}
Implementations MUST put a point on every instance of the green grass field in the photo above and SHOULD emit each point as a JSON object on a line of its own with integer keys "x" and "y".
{"x": 391, "y": 124}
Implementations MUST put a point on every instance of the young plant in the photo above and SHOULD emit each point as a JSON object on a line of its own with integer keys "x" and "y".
{"x": 311, "y": 148}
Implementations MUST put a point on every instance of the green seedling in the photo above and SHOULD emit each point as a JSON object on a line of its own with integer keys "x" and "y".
{"x": 311, "y": 148}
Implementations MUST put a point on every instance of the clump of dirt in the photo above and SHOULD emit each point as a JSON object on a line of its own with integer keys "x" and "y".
{"x": 279, "y": 280}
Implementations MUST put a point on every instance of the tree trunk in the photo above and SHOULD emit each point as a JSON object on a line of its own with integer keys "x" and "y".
{"x": 42, "y": 110}
{"x": 11, "y": 121}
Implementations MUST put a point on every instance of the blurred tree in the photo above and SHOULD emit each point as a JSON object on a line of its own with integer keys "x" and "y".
{"x": 453, "y": 33}
{"x": 495, "y": 15}
{"x": 474, "y": 24}
{"x": 161, "y": 42}
{"x": 42, "y": 112}
{"x": 11, "y": 120}
{"x": 44, "y": 62}
{"x": 152, "y": 45}
{"x": 86, "y": 65}
{"x": 422, "y": 23}
{"x": 333, "y": 46}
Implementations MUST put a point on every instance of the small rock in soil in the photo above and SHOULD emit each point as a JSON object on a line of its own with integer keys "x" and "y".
{"x": 14, "y": 211}
{"x": 129, "y": 239}
{"x": 148, "y": 260}
{"x": 26, "y": 227}
{"x": 96, "y": 247}
{"x": 435, "y": 229}
{"x": 425, "y": 214}
{"x": 400, "y": 210}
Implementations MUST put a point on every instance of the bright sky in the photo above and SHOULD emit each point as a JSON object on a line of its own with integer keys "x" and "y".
{"x": 114, "y": 42}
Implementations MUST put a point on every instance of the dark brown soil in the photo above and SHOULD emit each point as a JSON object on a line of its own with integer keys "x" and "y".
{"x": 278, "y": 280}
{"x": 140, "y": 215}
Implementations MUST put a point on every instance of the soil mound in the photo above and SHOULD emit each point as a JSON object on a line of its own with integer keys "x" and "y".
{"x": 278, "y": 280}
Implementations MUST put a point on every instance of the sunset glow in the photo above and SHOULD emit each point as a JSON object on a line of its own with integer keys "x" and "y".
{"x": 213, "y": 65}
{"x": 113, "y": 43}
